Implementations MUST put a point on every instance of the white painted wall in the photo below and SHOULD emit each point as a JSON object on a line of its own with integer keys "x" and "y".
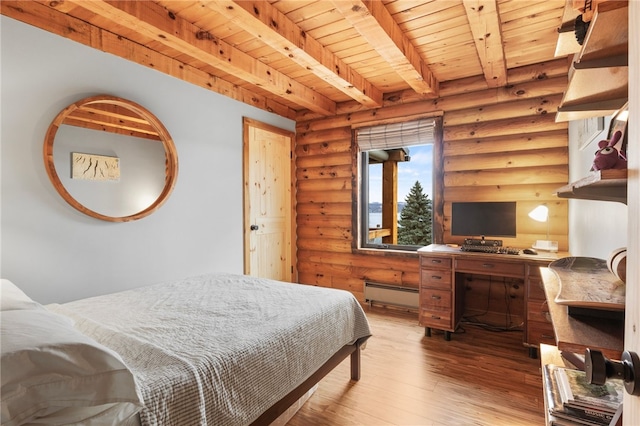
{"x": 55, "y": 253}
{"x": 596, "y": 228}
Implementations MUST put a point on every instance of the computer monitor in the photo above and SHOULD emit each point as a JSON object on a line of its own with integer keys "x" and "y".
{"x": 474, "y": 219}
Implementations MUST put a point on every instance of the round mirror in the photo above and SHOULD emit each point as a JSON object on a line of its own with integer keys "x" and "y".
{"x": 110, "y": 158}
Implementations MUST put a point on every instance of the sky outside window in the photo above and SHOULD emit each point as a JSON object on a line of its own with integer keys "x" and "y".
{"x": 418, "y": 169}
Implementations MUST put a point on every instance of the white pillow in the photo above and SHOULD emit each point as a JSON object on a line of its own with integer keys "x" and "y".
{"x": 12, "y": 298}
{"x": 51, "y": 369}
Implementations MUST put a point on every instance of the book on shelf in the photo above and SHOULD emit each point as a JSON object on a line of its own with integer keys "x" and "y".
{"x": 576, "y": 392}
{"x": 562, "y": 414}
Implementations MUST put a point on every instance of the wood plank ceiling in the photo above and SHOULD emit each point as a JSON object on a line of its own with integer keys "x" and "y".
{"x": 298, "y": 57}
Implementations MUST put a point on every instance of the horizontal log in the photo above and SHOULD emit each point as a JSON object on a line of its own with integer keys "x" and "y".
{"x": 334, "y": 232}
{"x": 330, "y": 244}
{"x": 520, "y": 142}
{"x": 325, "y": 160}
{"x": 357, "y": 259}
{"x": 333, "y": 134}
{"x": 404, "y": 112}
{"x": 314, "y": 278}
{"x": 526, "y": 90}
{"x": 355, "y": 278}
{"x": 352, "y": 278}
{"x": 508, "y": 160}
{"x": 556, "y": 174}
{"x": 389, "y": 276}
{"x": 324, "y": 148}
{"x": 323, "y": 196}
{"x": 327, "y": 268}
{"x": 520, "y": 108}
{"x": 324, "y": 172}
{"x": 514, "y": 126}
{"x": 541, "y": 192}
{"x": 353, "y": 284}
{"x": 342, "y": 283}
{"x": 324, "y": 209}
{"x": 318, "y": 220}
{"x": 536, "y": 72}
{"x": 324, "y": 184}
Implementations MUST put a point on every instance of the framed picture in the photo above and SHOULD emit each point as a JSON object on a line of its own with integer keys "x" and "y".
{"x": 619, "y": 122}
{"x": 589, "y": 129}
{"x": 94, "y": 167}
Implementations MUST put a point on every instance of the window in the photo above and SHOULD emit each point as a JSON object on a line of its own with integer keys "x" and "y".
{"x": 396, "y": 176}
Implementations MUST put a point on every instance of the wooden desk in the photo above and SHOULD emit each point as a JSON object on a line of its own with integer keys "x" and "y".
{"x": 442, "y": 288}
{"x": 575, "y": 334}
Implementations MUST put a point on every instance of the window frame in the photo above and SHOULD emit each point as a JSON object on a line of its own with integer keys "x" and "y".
{"x": 361, "y": 190}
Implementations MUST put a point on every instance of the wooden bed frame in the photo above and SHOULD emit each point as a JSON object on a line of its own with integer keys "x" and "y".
{"x": 288, "y": 400}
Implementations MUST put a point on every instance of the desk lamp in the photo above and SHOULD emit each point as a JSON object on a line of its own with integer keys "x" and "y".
{"x": 541, "y": 214}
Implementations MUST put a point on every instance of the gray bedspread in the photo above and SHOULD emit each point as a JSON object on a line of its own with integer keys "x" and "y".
{"x": 219, "y": 349}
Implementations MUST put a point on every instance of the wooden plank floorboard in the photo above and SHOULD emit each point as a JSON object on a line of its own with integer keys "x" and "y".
{"x": 478, "y": 378}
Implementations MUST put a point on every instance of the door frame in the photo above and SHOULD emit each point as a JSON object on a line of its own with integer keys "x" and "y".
{"x": 246, "y": 232}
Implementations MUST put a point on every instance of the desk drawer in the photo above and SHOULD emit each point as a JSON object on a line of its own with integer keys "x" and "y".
{"x": 538, "y": 311}
{"x": 436, "y": 319}
{"x": 490, "y": 267}
{"x": 536, "y": 290}
{"x": 438, "y": 278}
{"x": 435, "y": 299}
{"x": 540, "y": 332}
{"x": 435, "y": 262}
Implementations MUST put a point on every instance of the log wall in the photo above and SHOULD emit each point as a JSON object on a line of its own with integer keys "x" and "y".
{"x": 499, "y": 144}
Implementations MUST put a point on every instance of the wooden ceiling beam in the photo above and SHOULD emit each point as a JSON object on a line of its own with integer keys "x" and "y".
{"x": 374, "y": 22}
{"x": 487, "y": 35}
{"x": 44, "y": 16}
{"x": 156, "y": 22}
{"x": 272, "y": 27}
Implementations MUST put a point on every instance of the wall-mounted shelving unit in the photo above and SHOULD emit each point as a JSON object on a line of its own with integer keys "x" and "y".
{"x": 598, "y": 77}
{"x": 603, "y": 185}
{"x": 598, "y": 86}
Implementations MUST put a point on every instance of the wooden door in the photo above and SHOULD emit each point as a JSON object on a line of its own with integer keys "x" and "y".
{"x": 268, "y": 201}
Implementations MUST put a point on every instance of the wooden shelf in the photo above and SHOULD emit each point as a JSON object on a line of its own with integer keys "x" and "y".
{"x": 603, "y": 185}
{"x": 598, "y": 78}
{"x": 608, "y": 33}
{"x": 575, "y": 334}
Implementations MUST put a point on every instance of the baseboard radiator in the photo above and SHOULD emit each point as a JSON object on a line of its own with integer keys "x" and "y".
{"x": 385, "y": 294}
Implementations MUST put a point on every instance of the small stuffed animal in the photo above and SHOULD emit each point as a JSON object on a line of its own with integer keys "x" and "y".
{"x": 607, "y": 156}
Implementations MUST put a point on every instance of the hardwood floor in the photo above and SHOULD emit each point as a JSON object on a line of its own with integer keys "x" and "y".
{"x": 477, "y": 378}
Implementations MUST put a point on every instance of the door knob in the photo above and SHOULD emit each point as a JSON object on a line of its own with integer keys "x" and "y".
{"x": 254, "y": 227}
{"x": 598, "y": 369}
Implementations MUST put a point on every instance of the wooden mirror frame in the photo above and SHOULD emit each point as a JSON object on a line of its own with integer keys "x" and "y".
{"x": 171, "y": 156}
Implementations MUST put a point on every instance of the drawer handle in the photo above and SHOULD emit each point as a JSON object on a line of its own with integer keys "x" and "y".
{"x": 436, "y": 297}
{"x": 436, "y": 261}
{"x": 487, "y": 265}
{"x": 436, "y": 277}
{"x": 546, "y": 336}
{"x": 435, "y": 317}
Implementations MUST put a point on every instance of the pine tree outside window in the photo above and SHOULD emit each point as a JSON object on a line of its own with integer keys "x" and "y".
{"x": 396, "y": 184}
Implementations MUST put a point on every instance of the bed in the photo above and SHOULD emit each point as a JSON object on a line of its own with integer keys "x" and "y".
{"x": 218, "y": 349}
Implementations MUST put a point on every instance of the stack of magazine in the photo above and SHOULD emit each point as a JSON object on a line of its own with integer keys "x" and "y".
{"x": 573, "y": 401}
